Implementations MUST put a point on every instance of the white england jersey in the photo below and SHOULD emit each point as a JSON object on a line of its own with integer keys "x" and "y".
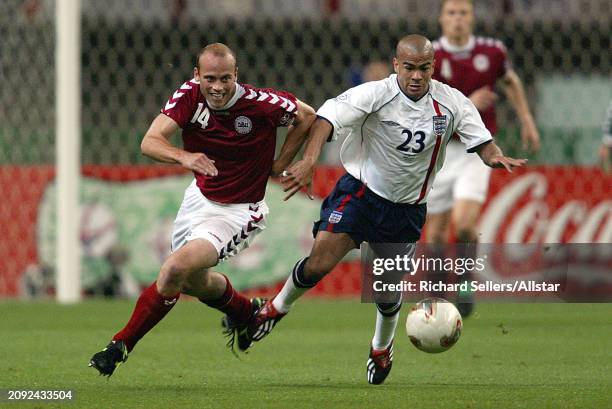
{"x": 395, "y": 145}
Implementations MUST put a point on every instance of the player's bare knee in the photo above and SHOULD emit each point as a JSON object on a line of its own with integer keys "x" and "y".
{"x": 172, "y": 277}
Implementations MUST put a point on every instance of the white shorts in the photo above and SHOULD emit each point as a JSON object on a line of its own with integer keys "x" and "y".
{"x": 229, "y": 227}
{"x": 463, "y": 176}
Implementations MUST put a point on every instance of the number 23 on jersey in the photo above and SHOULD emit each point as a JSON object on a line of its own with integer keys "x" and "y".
{"x": 419, "y": 140}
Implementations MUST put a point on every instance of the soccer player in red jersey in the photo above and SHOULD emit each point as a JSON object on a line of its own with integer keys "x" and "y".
{"x": 473, "y": 65}
{"x": 229, "y": 137}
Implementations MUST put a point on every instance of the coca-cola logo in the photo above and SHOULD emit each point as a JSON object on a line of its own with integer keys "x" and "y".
{"x": 534, "y": 221}
{"x": 523, "y": 213}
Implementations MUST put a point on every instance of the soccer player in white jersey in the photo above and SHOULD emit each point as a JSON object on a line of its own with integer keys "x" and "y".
{"x": 397, "y": 132}
{"x": 473, "y": 65}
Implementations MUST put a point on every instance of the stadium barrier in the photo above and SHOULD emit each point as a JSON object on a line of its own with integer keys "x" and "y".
{"x": 128, "y": 210}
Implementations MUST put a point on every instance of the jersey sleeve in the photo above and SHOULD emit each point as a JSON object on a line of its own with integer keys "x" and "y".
{"x": 180, "y": 105}
{"x": 283, "y": 106}
{"x": 349, "y": 108}
{"x": 504, "y": 61}
{"x": 470, "y": 128}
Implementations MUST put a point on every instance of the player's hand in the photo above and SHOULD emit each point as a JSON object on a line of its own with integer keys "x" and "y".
{"x": 530, "y": 137}
{"x": 200, "y": 163}
{"x": 277, "y": 169}
{"x": 483, "y": 98}
{"x": 296, "y": 177}
{"x": 506, "y": 162}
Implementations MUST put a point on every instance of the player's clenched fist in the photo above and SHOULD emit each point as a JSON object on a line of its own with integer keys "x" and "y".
{"x": 199, "y": 162}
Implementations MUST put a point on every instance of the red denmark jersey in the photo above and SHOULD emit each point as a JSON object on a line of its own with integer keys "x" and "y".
{"x": 477, "y": 64}
{"x": 240, "y": 138}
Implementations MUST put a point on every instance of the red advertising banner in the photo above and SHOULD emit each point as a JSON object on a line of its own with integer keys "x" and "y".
{"x": 540, "y": 204}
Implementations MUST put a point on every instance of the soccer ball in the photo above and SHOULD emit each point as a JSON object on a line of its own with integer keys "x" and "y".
{"x": 434, "y": 325}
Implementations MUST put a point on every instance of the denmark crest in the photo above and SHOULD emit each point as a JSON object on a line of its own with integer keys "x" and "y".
{"x": 243, "y": 125}
{"x": 439, "y": 125}
{"x": 481, "y": 62}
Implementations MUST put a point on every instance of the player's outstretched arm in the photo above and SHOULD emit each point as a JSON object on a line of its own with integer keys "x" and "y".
{"x": 296, "y": 136}
{"x": 513, "y": 87}
{"x": 493, "y": 156}
{"x": 156, "y": 145}
{"x": 300, "y": 173}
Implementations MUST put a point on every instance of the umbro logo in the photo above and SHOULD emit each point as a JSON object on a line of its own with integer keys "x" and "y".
{"x": 390, "y": 123}
{"x": 170, "y": 302}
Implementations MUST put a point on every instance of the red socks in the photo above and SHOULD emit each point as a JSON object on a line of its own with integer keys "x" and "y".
{"x": 150, "y": 308}
{"x": 234, "y": 304}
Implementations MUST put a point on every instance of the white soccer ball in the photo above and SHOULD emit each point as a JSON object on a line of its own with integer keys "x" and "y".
{"x": 434, "y": 325}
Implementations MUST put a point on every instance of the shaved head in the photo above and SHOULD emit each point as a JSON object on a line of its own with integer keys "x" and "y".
{"x": 413, "y": 64}
{"x": 414, "y": 44}
{"x": 217, "y": 50}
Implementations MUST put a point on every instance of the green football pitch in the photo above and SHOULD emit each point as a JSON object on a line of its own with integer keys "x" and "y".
{"x": 509, "y": 356}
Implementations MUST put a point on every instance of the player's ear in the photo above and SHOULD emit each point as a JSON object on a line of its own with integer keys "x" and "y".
{"x": 395, "y": 65}
{"x": 196, "y": 72}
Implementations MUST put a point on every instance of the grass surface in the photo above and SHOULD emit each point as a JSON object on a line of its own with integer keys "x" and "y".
{"x": 509, "y": 356}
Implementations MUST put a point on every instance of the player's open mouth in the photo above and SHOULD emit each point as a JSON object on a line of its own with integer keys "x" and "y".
{"x": 415, "y": 87}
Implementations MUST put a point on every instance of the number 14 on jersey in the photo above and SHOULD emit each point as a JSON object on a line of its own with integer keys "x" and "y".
{"x": 201, "y": 116}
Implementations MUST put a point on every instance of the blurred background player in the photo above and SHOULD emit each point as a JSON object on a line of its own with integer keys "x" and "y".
{"x": 473, "y": 65}
{"x": 229, "y": 137}
{"x": 606, "y": 143}
{"x": 398, "y": 129}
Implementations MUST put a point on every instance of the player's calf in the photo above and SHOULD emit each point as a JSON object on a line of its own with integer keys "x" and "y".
{"x": 467, "y": 245}
{"x": 150, "y": 308}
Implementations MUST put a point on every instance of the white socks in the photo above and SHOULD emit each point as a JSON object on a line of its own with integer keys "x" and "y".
{"x": 292, "y": 290}
{"x": 385, "y": 329}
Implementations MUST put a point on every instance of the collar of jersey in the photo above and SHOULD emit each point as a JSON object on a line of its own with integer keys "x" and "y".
{"x": 455, "y": 48}
{"x": 239, "y": 92}
{"x": 416, "y": 104}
